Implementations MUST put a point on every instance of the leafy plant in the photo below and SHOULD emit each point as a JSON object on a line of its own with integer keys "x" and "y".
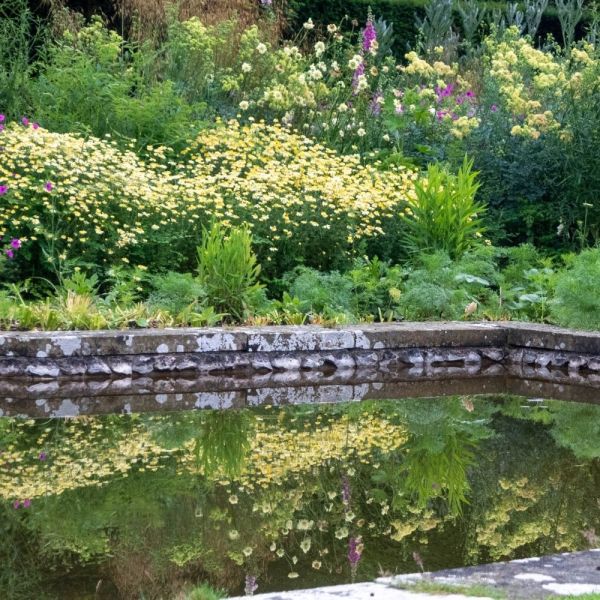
{"x": 445, "y": 215}
{"x": 175, "y": 292}
{"x": 576, "y": 300}
{"x": 526, "y": 282}
{"x": 324, "y": 293}
{"x": 228, "y": 269}
{"x": 439, "y": 288}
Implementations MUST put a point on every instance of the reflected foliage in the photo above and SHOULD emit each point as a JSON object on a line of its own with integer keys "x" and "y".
{"x": 290, "y": 497}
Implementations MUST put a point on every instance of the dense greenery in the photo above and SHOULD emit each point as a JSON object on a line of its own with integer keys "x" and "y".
{"x": 348, "y": 180}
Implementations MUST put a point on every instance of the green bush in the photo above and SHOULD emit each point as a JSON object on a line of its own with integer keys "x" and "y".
{"x": 175, "y": 292}
{"x": 94, "y": 82}
{"x": 321, "y": 293}
{"x": 402, "y": 14}
{"x": 577, "y": 301}
{"x": 228, "y": 270}
{"x": 369, "y": 290}
{"x": 16, "y": 49}
{"x": 526, "y": 282}
{"x": 439, "y": 288}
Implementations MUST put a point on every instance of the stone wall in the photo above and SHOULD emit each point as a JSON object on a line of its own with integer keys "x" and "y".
{"x": 420, "y": 347}
{"x": 64, "y": 374}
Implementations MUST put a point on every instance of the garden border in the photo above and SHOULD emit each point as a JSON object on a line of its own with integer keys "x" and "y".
{"x": 259, "y": 350}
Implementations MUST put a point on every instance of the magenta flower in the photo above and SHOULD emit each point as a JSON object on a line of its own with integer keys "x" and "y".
{"x": 36, "y": 125}
{"x": 369, "y": 35}
{"x": 355, "y": 548}
{"x": 16, "y": 504}
{"x": 2, "y": 118}
{"x": 26, "y": 503}
{"x": 48, "y": 186}
{"x": 43, "y": 456}
{"x": 470, "y": 94}
{"x": 10, "y": 253}
{"x": 3, "y": 189}
{"x": 25, "y": 121}
{"x": 494, "y": 108}
{"x": 15, "y": 243}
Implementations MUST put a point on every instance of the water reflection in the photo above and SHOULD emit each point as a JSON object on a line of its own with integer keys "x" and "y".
{"x": 290, "y": 497}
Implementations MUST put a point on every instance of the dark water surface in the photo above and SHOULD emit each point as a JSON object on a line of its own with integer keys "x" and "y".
{"x": 145, "y": 505}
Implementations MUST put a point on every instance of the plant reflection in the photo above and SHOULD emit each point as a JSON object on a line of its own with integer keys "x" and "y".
{"x": 291, "y": 497}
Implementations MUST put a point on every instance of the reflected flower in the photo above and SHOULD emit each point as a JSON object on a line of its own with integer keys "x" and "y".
{"x": 250, "y": 585}
{"x": 305, "y": 545}
{"x": 355, "y": 548}
{"x": 316, "y": 564}
{"x": 233, "y": 499}
{"x": 234, "y": 534}
{"x": 341, "y": 533}
{"x": 293, "y": 575}
{"x": 247, "y": 551}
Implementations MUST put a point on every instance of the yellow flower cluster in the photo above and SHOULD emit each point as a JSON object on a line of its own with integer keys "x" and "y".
{"x": 535, "y": 84}
{"x": 77, "y": 196}
{"x": 289, "y": 188}
{"x": 69, "y": 193}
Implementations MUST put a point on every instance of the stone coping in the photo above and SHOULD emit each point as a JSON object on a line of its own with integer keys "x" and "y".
{"x": 293, "y": 348}
{"x": 537, "y": 578}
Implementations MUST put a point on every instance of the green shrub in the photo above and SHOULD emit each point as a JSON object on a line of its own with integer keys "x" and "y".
{"x": 321, "y": 293}
{"x": 445, "y": 217}
{"x": 94, "y": 82}
{"x": 439, "y": 288}
{"x": 370, "y": 290}
{"x": 201, "y": 592}
{"x": 376, "y": 287}
{"x": 16, "y": 26}
{"x": 526, "y": 282}
{"x": 577, "y": 301}
{"x": 175, "y": 292}
{"x": 228, "y": 270}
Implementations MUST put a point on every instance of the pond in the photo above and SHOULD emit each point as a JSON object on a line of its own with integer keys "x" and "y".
{"x": 146, "y": 505}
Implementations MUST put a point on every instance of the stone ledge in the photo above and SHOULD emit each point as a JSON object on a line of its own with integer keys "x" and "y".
{"x": 383, "y": 346}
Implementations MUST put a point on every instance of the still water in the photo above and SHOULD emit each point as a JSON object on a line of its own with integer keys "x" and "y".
{"x": 149, "y": 505}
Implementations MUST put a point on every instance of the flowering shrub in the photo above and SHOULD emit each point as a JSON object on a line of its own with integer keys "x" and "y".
{"x": 86, "y": 200}
{"x": 535, "y": 145}
{"x": 83, "y": 199}
{"x": 302, "y": 202}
